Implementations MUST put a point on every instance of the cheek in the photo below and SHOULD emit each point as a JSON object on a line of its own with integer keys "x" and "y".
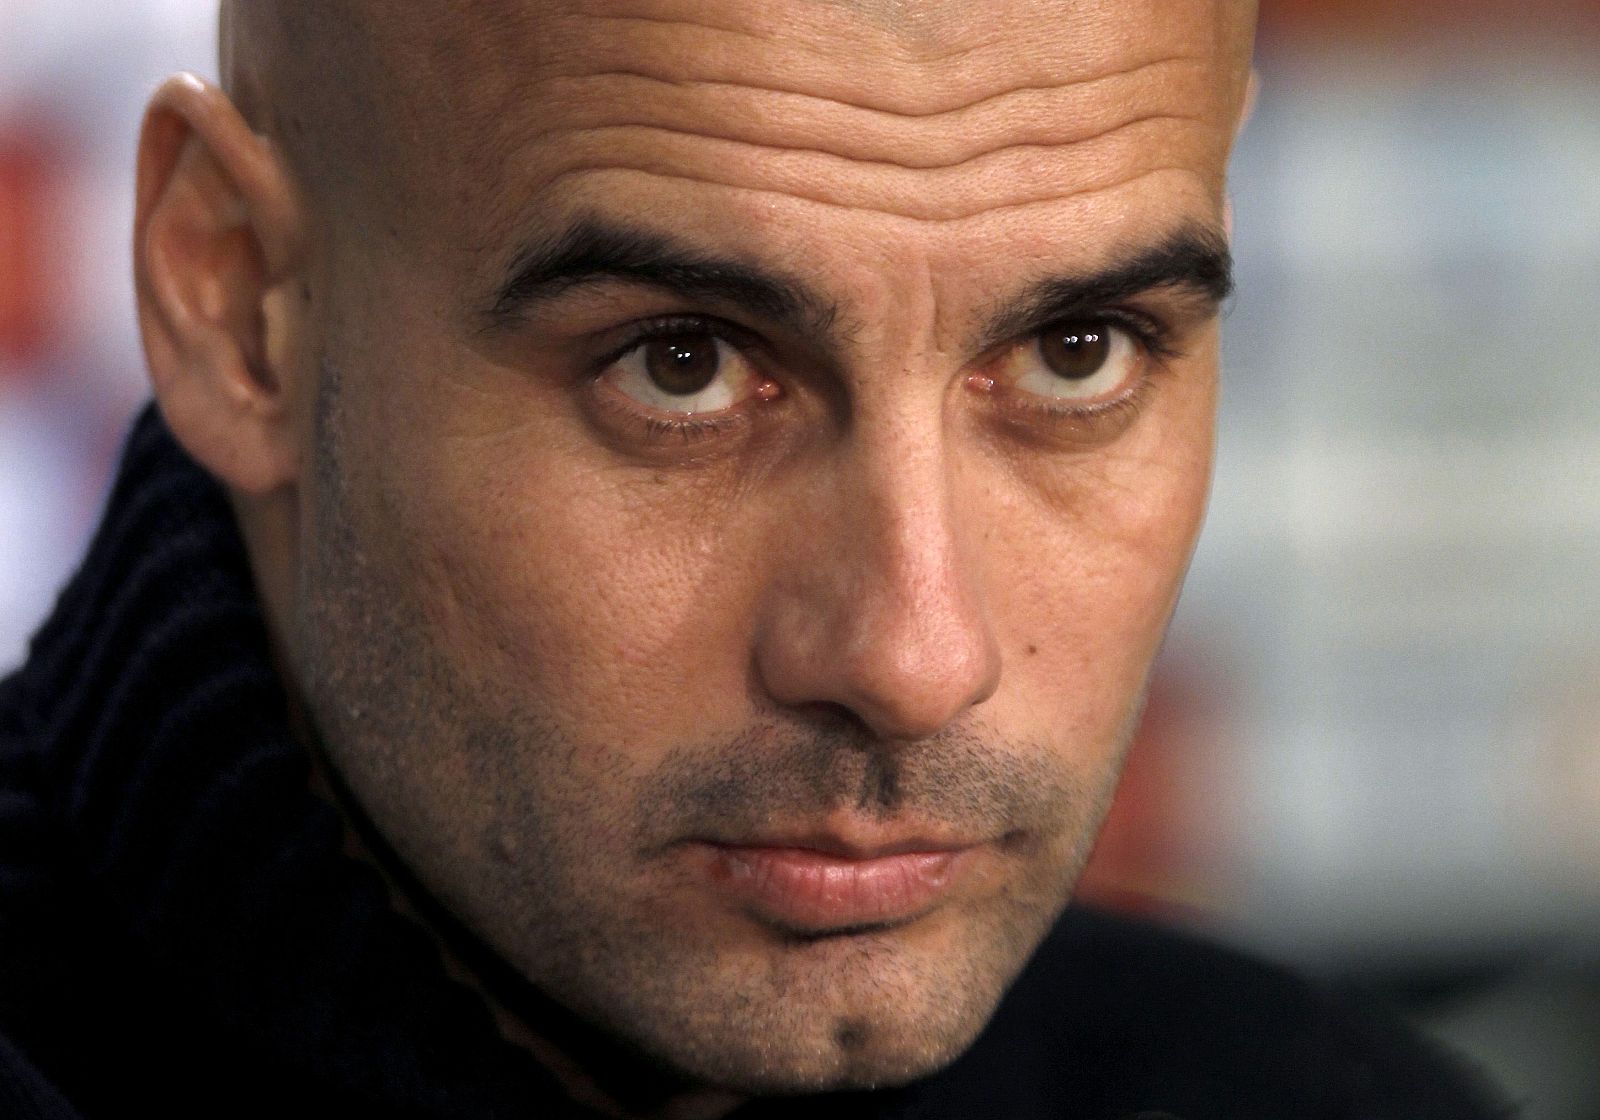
{"x": 1089, "y": 572}
{"x": 554, "y": 582}
{"x": 588, "y": 595}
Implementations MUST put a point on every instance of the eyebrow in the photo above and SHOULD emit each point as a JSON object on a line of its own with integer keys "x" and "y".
{"x": 592, "y": 251}
{"x": 1192, "y": 262}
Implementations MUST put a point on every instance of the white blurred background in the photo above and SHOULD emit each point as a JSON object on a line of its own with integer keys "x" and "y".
{"x": 1373, "y": 746}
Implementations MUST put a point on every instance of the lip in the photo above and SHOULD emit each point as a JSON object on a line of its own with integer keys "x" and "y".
{"x": 817, "y": 885}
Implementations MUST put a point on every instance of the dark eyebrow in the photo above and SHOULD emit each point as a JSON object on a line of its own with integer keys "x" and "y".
{"x": 1194, "y": 261}
{"x": 593, "y": 251}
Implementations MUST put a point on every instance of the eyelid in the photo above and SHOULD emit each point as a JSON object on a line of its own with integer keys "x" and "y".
{"x": 638, "y": 333}
{"x": 1150, "y": 332}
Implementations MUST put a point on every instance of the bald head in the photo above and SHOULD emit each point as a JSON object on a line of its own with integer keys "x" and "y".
{"x": 358, "y": 92}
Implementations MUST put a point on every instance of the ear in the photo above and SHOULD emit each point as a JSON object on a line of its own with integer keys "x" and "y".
{"x": 218, "y": 235}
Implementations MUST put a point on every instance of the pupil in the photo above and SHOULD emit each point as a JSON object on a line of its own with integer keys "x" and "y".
{"x": 681, "y": 364}
{"x": 1075, "y": 351}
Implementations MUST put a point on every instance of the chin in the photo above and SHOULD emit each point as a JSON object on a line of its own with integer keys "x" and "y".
{"x": 856, "y": 1012}
{"x": 859, "y": 1052}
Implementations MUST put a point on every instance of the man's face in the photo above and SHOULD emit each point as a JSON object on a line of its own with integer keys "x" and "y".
{"x": 758, "y": 449}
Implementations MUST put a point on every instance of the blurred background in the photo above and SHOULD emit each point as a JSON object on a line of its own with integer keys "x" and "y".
{"x": 1373, "y": 743}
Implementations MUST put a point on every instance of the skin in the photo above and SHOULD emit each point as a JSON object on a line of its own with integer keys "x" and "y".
{"x": 547, "y": 641}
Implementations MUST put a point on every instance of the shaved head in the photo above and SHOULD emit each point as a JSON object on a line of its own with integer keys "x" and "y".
{"x": 350, "y": 88}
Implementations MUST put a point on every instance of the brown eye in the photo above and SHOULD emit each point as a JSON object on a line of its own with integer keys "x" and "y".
{"x": 1083, "y": 361}
{"x": 684, "y": 373}
{"x": 1075, "y": 351}
{"x": 682, "y": 364}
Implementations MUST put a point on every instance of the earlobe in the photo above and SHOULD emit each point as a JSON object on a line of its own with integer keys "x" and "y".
{"x": 218, "y": 233}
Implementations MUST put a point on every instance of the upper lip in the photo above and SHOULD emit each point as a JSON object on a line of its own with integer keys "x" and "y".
{"x": 853, "y": 845}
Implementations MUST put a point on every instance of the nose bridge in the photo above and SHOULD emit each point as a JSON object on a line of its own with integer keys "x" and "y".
{"x": 909, "y": 546}
{"x": 886, "y": 616}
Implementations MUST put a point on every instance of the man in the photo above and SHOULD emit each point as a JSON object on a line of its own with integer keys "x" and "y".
{"x": 677, "y": 501}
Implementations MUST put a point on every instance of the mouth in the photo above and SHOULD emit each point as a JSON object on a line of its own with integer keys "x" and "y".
{"x": 822, "y": 885}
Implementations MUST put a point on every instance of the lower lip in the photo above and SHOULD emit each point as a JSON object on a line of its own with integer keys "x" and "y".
{"x": 812, "y": 892}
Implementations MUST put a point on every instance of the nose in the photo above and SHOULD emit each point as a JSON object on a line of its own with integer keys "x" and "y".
{"x": 876, "y": 605}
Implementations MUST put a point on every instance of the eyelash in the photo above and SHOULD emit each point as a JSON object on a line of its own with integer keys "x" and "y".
{"x": 1152, "y": 336}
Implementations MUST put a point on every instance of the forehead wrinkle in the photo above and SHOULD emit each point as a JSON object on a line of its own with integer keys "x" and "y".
{"x": 925, "y": 216}
{"x": 965, "y": 156}
{"x": 840, "y": 58}
{"x": 1083, "y": 127}
{"x": 1040, "y": 116}
{"x": 957, "y": 105}
{"x": 1008, "y": 175}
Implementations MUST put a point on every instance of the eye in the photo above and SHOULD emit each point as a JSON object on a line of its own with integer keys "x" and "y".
{"x": 1081, "y": 360}
{"x": 684, "y": 372}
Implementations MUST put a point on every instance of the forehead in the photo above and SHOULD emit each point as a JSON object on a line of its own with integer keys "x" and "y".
{"x": 732, "y": 120}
